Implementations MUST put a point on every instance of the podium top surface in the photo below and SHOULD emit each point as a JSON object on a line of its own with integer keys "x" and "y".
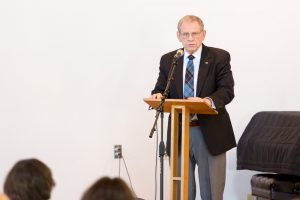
{"x": 195, "y": 107}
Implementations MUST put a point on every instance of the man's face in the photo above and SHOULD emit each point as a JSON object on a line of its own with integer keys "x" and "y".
{"x": 191, "y": 36}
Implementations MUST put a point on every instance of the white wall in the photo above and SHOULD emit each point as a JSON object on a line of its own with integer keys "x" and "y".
{"x": 73, "y": 75}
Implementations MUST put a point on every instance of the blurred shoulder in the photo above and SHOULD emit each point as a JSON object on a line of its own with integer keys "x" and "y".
{"x": 217, "y": 51}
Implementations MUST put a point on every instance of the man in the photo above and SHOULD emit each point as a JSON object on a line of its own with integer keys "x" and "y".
{"x": 202, "y": 74}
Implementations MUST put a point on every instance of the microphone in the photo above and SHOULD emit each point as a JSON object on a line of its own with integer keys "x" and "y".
{"x": 178, "y": 54}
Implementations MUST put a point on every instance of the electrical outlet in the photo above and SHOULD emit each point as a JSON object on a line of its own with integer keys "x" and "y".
{"x": 118, "y": 151}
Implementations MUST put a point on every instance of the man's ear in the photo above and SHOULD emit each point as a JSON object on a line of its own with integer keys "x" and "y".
{"x": 204, "y": 33}
{"x": 178, "y": 36}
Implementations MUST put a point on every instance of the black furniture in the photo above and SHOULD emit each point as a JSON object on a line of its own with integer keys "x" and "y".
{"x": 271, "y": 143}
{"x": 275, "y": 186}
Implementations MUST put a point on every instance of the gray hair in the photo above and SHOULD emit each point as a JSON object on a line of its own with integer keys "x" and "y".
{"x": 190, "y": 18}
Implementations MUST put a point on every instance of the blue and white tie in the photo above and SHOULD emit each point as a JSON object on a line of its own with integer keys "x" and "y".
{"x": 189, "y": 78}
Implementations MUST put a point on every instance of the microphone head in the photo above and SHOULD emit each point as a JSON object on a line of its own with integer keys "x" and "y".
{"x": 179, "y": 53}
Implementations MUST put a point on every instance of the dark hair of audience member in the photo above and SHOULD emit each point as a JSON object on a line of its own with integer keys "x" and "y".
{"x": 29, "y": 179}
{"x": 108, "y": 189}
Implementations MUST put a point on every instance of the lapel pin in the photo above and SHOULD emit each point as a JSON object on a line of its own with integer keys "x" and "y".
{"x": 206, "y": 62}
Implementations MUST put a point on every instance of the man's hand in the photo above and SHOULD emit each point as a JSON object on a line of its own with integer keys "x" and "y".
{"x": 206, "y": 100}
{"x": 157, "y": 96}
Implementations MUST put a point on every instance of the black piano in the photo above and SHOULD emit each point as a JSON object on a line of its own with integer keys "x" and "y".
{"x": 271, "y": 144}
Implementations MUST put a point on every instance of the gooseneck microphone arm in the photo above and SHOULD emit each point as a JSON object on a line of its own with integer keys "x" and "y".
{"x": 159, "y": 109}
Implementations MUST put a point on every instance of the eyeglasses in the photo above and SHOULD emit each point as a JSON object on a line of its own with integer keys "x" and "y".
{"x": 193, "y": 35}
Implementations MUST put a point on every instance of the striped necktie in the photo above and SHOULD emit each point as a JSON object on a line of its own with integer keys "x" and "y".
{"x": 189, "y": 78}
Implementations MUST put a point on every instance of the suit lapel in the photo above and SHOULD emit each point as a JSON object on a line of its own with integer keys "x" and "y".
{"x": 178, "y": 77}
{"x": 203, "y": 69}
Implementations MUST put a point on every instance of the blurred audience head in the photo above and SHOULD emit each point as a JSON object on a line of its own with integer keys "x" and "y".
{"x": 29, "y": 179}
{"x": 108, "y": 189}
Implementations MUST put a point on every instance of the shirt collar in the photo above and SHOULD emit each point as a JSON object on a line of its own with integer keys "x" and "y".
{"x": 196, "y": 54}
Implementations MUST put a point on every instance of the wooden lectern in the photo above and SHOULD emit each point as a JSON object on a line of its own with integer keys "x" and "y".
{"x": 185, "y": 107}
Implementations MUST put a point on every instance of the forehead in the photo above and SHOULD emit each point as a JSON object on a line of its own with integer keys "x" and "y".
{"x": 190, "y": 25}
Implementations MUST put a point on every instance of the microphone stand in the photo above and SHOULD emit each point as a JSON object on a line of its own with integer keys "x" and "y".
{"x": 159, "y": 111}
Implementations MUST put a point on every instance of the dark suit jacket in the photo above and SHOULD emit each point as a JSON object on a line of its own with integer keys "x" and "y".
{"x": 215, "y": 81}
